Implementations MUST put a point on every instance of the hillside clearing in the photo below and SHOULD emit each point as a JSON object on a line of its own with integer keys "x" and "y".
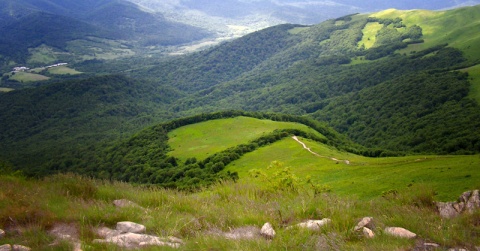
{"x": 203, "y": 139}
{"x": 365, "y": 177}
{"x": 369, "y": 35}
{"x": 474, "y": 74}
{"x": 26, "y": 77}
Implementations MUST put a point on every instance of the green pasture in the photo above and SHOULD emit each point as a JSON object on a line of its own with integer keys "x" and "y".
{"x": 25, "y": 77}
{"x": 204, "y": 139}
{"x": 369, "y": 35}
{"x": 459, "y": 28}
{"x": 365, "y": 177}
{"x": 63, "y": 70}
{"x": 2, "y": 89}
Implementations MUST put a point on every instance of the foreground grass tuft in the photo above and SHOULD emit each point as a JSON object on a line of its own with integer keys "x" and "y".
{"x": 29, "y": 209}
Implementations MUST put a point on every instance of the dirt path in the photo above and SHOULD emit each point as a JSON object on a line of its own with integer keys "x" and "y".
{"x": 316, "y": 154}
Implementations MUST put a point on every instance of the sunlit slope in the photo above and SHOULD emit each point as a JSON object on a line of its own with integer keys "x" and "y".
{"x": 365, "y": 177}
{"x": 460, "y": 28}
{"x": 201, "y": 140}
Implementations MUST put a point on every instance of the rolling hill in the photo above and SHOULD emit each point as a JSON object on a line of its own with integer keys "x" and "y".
{"x": 409, "y": 92}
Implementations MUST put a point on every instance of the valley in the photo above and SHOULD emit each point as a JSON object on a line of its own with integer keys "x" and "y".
{"x": 210, "y": 121}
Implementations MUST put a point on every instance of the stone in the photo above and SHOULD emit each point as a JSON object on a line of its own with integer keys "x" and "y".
{"x": 134, "y": 240}
{"x": 2, "y": 233}
{"x": 314, "y": 224}
{"x": 447, "y": 210}
{"x": 467, "y": 202}
{"x": 243, "y": 233}
{"x": 368, "y": 233}
{"x": 473, "y": 202}
{"x": 130, "y": 227}
{"x": 5, "y": 247}
{"x": 365, "y": 222}
{"x": 267, "y": 231}
{"x": 399, "y": 232}
{"x": 20, "y": 248}
{"x": 106, "y": 232}
{"x": 125, "y": 203}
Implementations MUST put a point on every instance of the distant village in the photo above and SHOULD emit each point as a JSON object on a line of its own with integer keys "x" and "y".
{"x": 23, "y": 68}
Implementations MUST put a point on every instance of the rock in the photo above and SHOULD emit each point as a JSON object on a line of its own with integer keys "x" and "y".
{"x": 400, "y": 232}
{"x": 106, "y": 232}
{"x": 125, "y": 203}
{"x": 447, "y": 210}
{"x": 473, "y": 202}
{"x": 365, "y": 222}
{"x": 2, "y": 233}
{"x": 467, "y": 202}
{"x": 267, "y": 231}
{"x": 314, "y": 224}
{"x": 5, "y": 247}
{"x": 130, "y": 227}
{"x": 367, "y": 232}
{"x": 134, "y": 240}
{"x": 243, "y": 233}
{"x": 20, "y": 248}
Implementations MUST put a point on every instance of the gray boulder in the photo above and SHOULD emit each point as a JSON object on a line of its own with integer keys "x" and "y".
{"x": 313, "y": 224}
{"x": 2, "y": 233}
{"x": 5, "y": 247}
{"x": 399, "y": 232}
{"x": 467, "y": 202}
{"x": 106, "y": 232}
{"x": 134, "y": 240}
{"x": 131, "y": 227}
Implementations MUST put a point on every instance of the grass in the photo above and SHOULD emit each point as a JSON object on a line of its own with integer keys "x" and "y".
{"x": 2, "y": 89}
{"x": 366, "y": 177}
{"x": 63, "y": 70}
{"x": 204, "y": 139}
{"x": 42, "y": 55}
{"x": 29, "y": 208}
{"x": 456, "y": 27}
{"x": 26, "y": 77}
{"x": 369, "y": 35}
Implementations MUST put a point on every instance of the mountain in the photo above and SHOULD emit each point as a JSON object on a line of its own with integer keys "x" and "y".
{"x": 395, "y": 82}
{"x": 28, "y": 24}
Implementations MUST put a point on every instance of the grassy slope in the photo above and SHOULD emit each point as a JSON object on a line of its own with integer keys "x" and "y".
{"x": 29, "y": 208}
{"x": 28, "y": 77}
{"x": 474, "y": 73}
{"x": 454, "y": 27}
{"x": 369, "y": 34}
{"x": 367, "y": 177}
{"x": 203, "y": 139}
{"x": 63, "y": 70}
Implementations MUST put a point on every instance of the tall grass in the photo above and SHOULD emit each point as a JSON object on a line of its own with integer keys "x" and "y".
{"x": 31, "y": 207}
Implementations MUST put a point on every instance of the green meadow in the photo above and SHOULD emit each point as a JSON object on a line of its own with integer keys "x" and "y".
{"x": 453, "y": 27}
{"x": 204, "y": 139}
{"x": 25, "y": 77}
{"x": 63, "y": 70}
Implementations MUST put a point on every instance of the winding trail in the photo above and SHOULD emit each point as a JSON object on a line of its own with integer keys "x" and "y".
{"x": 316, "y": 154}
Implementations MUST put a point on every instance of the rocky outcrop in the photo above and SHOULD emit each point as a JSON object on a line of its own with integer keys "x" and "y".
{"x": 314, "y": 225}
{"x": 399, "y": 232}
{"x": 66, "y": 232}
{"x": 267, "y": 231}
{"x": 365, "y": 222}
{"x": 133, "y": 240}
{"x": 130, "y": 235}
{"x": 5, "y": 247}
{"x": 130, "y": 227}
{"x": 467, "y": 202}
{"x": 368, "y": 233}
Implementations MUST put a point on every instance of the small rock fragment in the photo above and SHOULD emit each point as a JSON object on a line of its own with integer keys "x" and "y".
{"x": 2, "y": 233}
{"x": 106, "y": 232}
{"x": 20, "y": 248}
{"x": 267, "y": 231}
{"x": 130, "y": 227}
{"x": 399, "y": 232}
{"x": 125, "y": 203}
{"x": 367, "y": 232}
{"x": 365, "y": 222}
